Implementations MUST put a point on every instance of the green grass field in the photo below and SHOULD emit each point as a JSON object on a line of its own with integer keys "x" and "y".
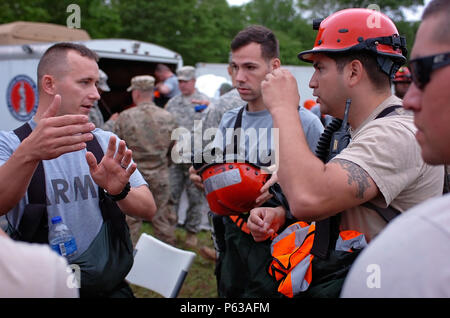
{"x": 200, "y": 281}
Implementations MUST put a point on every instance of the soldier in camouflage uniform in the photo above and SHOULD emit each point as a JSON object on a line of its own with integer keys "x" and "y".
{"x": 147, "y": 131}
{"x": 214, "y": 112}
{"x": 95, "y": 115}
{"x": 183, "y": 107}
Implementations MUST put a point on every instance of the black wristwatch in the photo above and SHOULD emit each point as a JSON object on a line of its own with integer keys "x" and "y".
{"x": 121, "y": 195}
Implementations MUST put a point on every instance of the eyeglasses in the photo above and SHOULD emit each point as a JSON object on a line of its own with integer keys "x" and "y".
{"x": 421, "y": 68}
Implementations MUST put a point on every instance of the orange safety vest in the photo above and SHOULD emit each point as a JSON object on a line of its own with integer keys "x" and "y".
{"x": 292, "y": 259}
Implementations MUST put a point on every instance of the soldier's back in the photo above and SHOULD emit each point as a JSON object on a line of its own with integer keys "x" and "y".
{"x": 147, "y": 131}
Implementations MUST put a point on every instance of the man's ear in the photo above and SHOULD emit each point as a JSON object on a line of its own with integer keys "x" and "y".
{"x": 354, "y": 72}
{"x": 275, "y": 63}
{"x": 48, "y": 84}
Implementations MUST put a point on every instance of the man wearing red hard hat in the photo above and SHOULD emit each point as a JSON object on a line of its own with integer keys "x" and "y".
{"x": 401, "y": 81}
{"x": 355, "y": 55}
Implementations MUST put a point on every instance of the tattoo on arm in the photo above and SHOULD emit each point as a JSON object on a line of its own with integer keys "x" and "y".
{"x": 355, "y": 174}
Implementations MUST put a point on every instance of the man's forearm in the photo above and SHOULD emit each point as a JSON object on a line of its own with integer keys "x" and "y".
{"x": 301, "y": 174}
{"x": 139, "y": 203}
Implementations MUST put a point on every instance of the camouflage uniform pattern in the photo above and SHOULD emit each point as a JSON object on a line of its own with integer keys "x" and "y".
{"x": 213, "y": 114}
{"x": 184, "y": 112}
{"x": 96, "y": 117}
{"x": 147, "y": 131}
{"x": 182, "y": 108}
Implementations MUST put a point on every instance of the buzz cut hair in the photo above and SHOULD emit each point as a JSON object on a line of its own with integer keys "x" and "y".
{"x": 54, "y": 60}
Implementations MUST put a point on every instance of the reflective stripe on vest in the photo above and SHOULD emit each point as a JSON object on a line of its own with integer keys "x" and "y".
{"x": 291, "y": 264}
{"x": 348, "y": 241}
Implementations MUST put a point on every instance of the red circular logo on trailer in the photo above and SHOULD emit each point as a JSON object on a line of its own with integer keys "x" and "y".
{"x": 22, "y": 97}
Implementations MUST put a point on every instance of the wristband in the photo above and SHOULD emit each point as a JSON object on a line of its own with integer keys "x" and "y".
{"x": 121, "y": 195}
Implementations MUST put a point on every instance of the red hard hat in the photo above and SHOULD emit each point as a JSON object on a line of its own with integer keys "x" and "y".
{"x": 403, "y": 75}
{"x": 309, "y": 103}
{"x": 232, "y": 188}
{"x": 358, "y": 29}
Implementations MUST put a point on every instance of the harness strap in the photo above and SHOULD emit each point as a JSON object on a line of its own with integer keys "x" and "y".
{"x": 387, "y": 111}
{"x": 388, "y": 214}
{"x": 33, "y": 226}
{"x": 36, "y": 189}
{"x": 237, "y": 219}
{"x": 237, "y": 125}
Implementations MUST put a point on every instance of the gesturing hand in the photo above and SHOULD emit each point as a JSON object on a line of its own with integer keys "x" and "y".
{"x": 56, "y": 135}
{"x": 112, "y": 173}
{"x": 195, "y": 178}
{"x": 280, "y": 91}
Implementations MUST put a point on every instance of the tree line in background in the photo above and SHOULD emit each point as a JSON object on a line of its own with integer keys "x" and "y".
{"x": 201, "y": 30}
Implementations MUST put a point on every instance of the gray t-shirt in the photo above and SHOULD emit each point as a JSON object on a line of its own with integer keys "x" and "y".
{"x": 71, "y": 191}
{"x": 257, "y": 127}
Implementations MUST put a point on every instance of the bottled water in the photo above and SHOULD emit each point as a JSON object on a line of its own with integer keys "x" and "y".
{"x": 61, "y": 239}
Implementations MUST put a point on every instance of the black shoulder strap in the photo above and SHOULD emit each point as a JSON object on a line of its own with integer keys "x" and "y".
{"x": 33, "y": 226}
{"x": 237, "y": 125}
{"x": 388, "y": 214}
{"x": 36, "y": 189}
{"x": 109, "y": 209}
{"x": 387, "y": 111}
{"x": 94, "y": 147}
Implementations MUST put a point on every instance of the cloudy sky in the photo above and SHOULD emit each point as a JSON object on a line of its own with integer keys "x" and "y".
{"x": 411, "y": 15}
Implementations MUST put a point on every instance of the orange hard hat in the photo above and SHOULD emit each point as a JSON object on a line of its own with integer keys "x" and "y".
{"x": 403, "y": 75}
{"x": 358, "y": 29}
{"x": 309, "y": 103}
{"x": 232, "y": 188}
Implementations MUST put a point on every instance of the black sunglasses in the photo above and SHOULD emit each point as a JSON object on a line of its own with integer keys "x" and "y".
{"x": 421, "y": 68}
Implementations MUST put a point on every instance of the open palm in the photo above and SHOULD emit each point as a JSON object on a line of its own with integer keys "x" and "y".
{"x": 114, "y": 171}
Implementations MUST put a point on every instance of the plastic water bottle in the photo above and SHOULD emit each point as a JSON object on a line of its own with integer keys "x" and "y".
{"x": 61, "y": 239}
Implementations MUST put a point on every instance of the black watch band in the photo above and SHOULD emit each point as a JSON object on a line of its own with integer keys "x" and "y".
{"x": 121, "y": 195}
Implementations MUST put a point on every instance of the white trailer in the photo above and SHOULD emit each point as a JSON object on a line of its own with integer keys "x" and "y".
{"x": 21, "y": 47}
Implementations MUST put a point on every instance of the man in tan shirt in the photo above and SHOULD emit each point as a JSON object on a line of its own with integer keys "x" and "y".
{"x": 382, "y": 164}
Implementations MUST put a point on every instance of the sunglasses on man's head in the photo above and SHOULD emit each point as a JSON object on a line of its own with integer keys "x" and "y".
{"x": 421, "y": 68}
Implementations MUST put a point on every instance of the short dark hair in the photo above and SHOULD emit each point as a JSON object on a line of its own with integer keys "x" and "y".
{"x": 55, "y": 56}
{"x": 437, "y": 7}
{"x": 162, "y": 68}
{"x": 379, "y": 79}
{"x": 261, "y": 35}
